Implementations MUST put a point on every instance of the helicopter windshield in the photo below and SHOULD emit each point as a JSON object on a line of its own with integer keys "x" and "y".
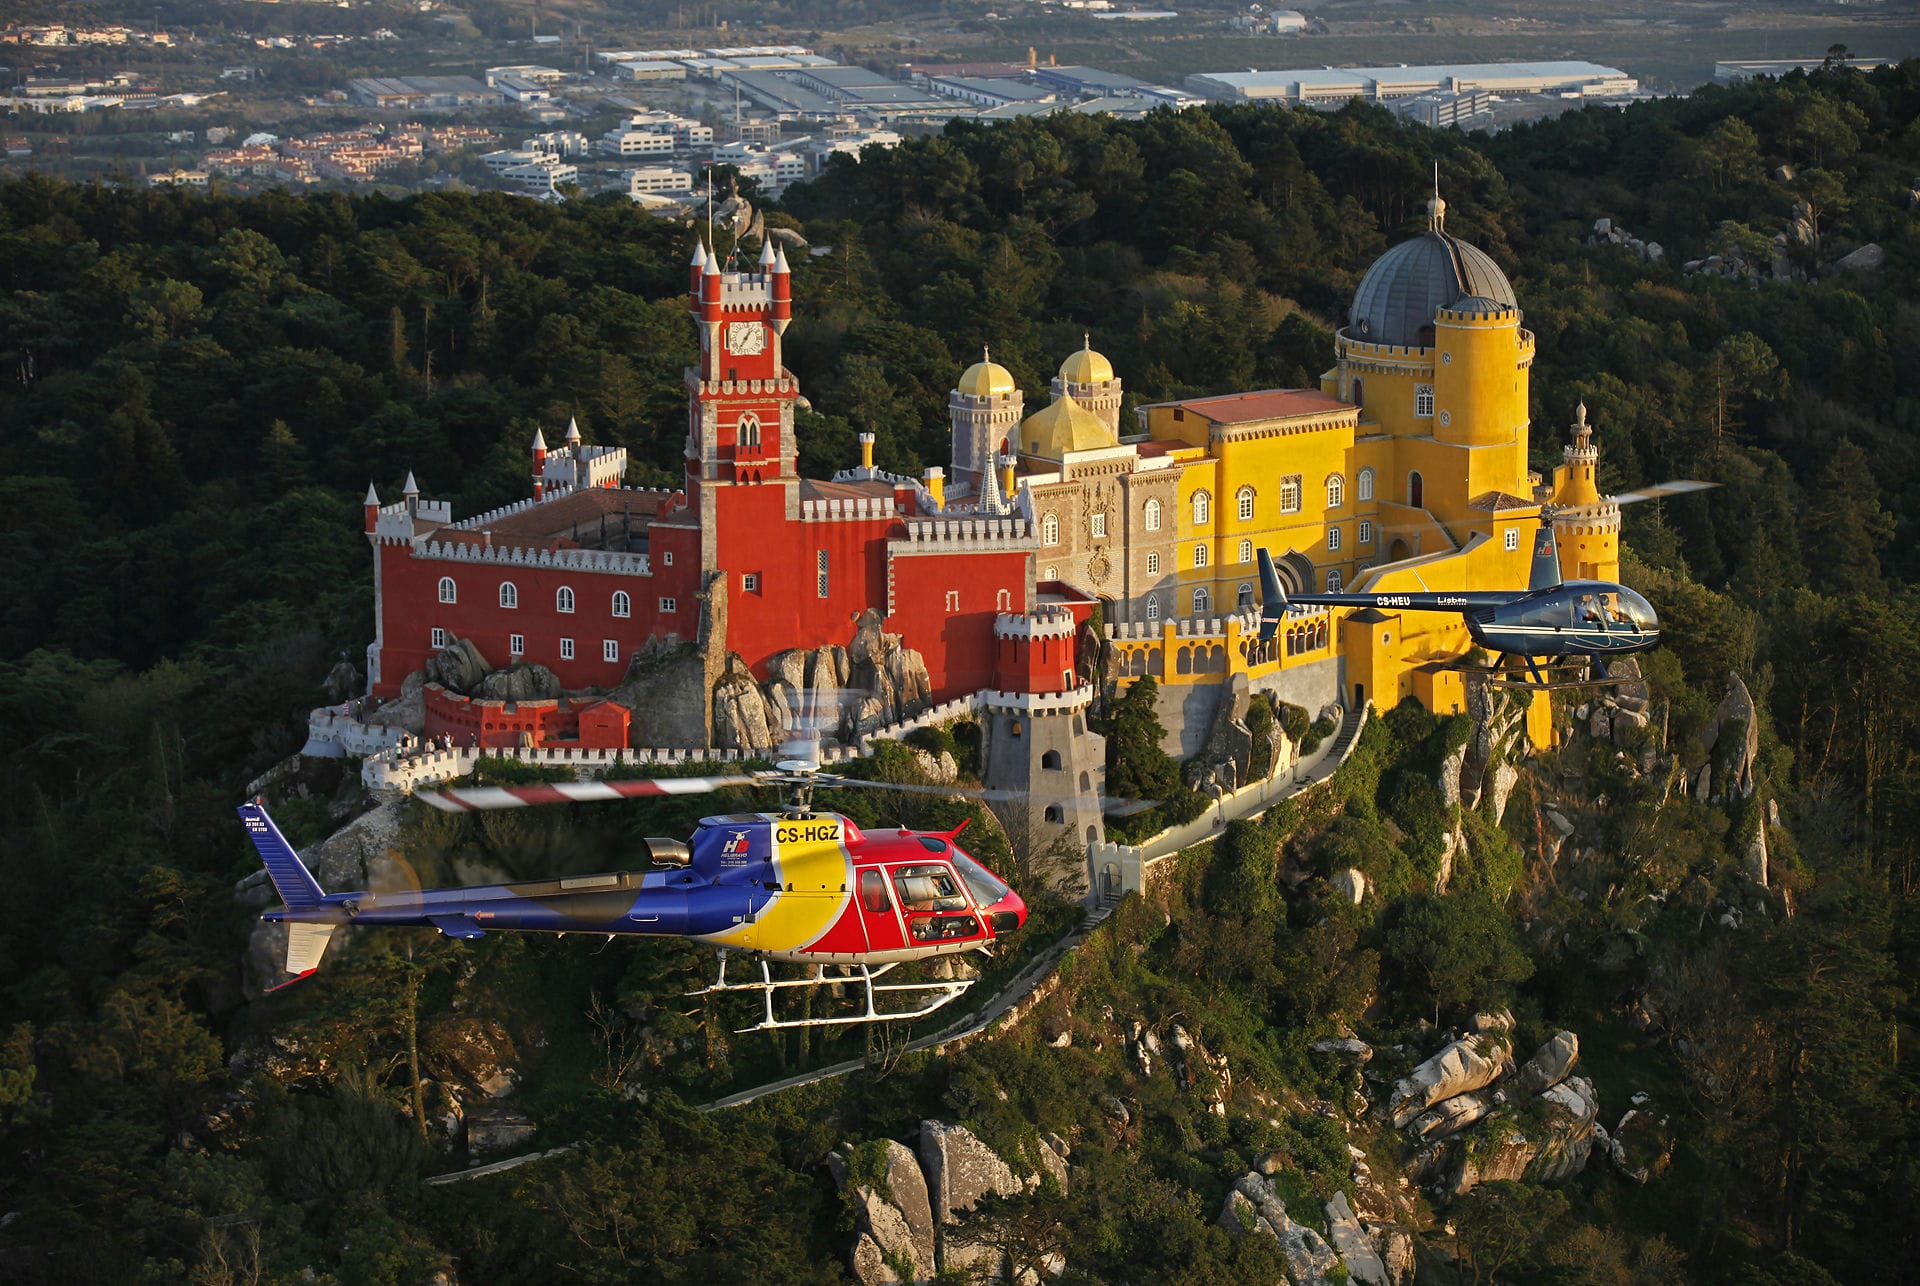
{"x": 982, "y": 883}
{"x": 1635, "y": 609}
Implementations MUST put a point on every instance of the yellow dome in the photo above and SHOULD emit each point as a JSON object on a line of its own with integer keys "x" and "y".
{"x": 1063, "y": 426}
{"x": 1086, "y": 366}
{"x": 986, "y": 378}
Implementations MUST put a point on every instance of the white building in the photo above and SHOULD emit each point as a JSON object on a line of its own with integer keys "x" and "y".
{"x": 502, "y": 161}
{"x": 560, "y": 143}
{"x": 658, "y": 178}
{"x": 1338, "y": 84}
{"x": 520, "y": 90}
{"x": 627, "y": 141}
{"x": 541, "y": 176}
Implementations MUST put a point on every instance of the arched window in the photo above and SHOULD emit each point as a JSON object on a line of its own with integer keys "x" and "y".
{"x": 1336, "y": 491}
{"x": 1416, "y": 490}
{"x": 1363, "y": 488}
{"x": 1153, "y": 607}
{"x": 1202, "y": 508}
{"x": 1200, "y": 601}
{"x": 563, "y": 599}
{"x": 748, "y": 433}
{"x": 622, "y": 605}
{"x": 1054, "y": 813}
{"x": 1333, "y": 581}
{"x": 1246, "y": 551}
{"x": 1333, "y": 538}
{"x": 1200, "y": 555}
{"x": 1245, "y": 598}
{"x": 1243, "y": 499}
{"x": 447, "y": 590}
{"x": 1049, "y": 530}
{"x": 1153, "y": 515}
{"x": 1290, "y": 494}
{"x": 1153, "y": 564}
{"x": 1050, "y": 760}
{"x": 1053, "y": 573}
{"x": 509, "y": 595}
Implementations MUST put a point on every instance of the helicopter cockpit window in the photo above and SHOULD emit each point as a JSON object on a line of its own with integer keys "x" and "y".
{"x": 873, "y": 892}
{"x": 1637, "y": 610}
{"x": 928, "y": 888}
{"x": 985, "y": 886}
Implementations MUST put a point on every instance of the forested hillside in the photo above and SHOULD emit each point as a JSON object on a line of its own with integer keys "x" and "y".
{"x": 197, "y": 390}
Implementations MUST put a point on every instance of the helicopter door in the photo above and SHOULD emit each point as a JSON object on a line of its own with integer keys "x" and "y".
{"x": 937, "y": 908}
{"x": 877, "y": 914}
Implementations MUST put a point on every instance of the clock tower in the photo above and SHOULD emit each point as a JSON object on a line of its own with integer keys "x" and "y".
{"x": 741, "y": 395}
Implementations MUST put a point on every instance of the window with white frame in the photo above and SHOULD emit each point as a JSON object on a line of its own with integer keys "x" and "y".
{"x": 447, "y": 592}
{"x": 1201, "y": 600}
{"x": 1153, "y": 564}
{"x": 750, "y": 582}
{"x": 1053, "y": 573}
{"x": 748, "y": 434}
{"x": 439, "y": 637}
{"x": 1153, "y": 607}
{"x": 821, "y": 584}
{"x": 563, "y": 599}
{"x": 622, "y": 604}
{"x": 1336, "y": 491}
{"x": 1199, "y": 555}
{"x": 1334, "y": 581}
{"x": 1333, "y": 538}
{"x": 1512, "y": 538}
{"x": 1365, "y": 535}
{"x": 566, "y": 649}
{"x": 1423, "y": 401}
{"x": 1364, "y": 488}
{"x": 509, "y": 594}
{"x": 1098, "y": 523}
{"x": 1050, "y": 529}
{"x": 1243, "y": 502}
{"x": 1153, "y": 515}
{"x": 669, "y": 605}
{"x": 1245, "y": 595}
{"x": 610, "y": 649}
{"x": 1290, "y": 494}
{"x": 1246, "y": 551}
{"x": 517, "y": 644}
{"x": 953, "y": 600}
{"x": 1202, "y": 507}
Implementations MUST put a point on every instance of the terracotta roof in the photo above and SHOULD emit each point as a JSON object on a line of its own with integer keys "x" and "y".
{"x": 866, "y": 489}
{"x": 1499, "y": 502}
{"x": 1267, "y": 404}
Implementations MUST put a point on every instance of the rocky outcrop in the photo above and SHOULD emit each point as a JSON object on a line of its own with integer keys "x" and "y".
{"x": 907, "y": 1188}
{"x": 1550, "y": 1063}
{"x": 1732, "y": 741}
{"x": 458, "y": 667}
{"x": 1868, "y": 258}
{"x": 1606, "y": 233}
{"x": 1343, "y": 1047}
{"x": 1544, "y": 1151}
{"x": 1462, "y": 1067}
{"x": 960, "y": 1170}
{"x": 1350, "y": 884}
{"x": 1253, "y": 1208}
{"x": 525, "y": 681}
{"x": 740, "y": 714}
{"x": 1641, "y": 1145}
{"x": 494, "y": 1131}
{"x": 480, "y": 1053}
{"x": 1448, "y": 1117}
{"x": 884, "y": 1235}
{"x": 1226, "y": 760}
{"x": 1356, "y": 1248}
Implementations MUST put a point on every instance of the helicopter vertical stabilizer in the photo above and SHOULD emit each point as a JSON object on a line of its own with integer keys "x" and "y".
{"x": 1546, "y": 560}
{"x": 291, "y": 879}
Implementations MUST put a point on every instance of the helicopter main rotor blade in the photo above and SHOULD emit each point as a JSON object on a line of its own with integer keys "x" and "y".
{"x": 474, "y": 798}
{"x": 1678, "y": 487}
{"x": 1108, "y": 803}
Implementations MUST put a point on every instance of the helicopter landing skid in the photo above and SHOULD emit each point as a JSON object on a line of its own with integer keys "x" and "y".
{"x": 935, "y": 995}
{"x": 1534, "y": 677}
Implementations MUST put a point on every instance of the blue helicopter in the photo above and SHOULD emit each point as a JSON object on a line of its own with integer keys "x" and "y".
{"x": 1551, "y": 619}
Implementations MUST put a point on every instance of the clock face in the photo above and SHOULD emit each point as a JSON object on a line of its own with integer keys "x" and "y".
{"x": 746, "y": 337}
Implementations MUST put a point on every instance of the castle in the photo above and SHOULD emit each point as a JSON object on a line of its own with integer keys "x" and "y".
{"x": 1406, "y": 469}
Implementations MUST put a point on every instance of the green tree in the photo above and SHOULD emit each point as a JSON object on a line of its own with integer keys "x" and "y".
{"x": 1457, "y": 951}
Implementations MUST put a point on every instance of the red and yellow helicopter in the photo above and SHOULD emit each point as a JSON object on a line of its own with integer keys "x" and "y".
{"x": 797, "y": 886}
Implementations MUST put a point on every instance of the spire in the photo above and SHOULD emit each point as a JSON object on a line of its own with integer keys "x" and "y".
{"x": 699, "y": 253}
{"x": 539, "y": 441}
{"x": 985, "y": 356}
{"x": 767, "y": 259}
{"x": 373, "y": 497}
{"x": 411, "y": 488}
{"x": 1086, "y": 341}
{"x": 990, "y": 502}
{"x": 780, "y": 260}
{"x": 1582, "y": 431}
{"x": 1436, "y": 208}
{"x": 573, "y": 431}
{"x": 712, "y": 267}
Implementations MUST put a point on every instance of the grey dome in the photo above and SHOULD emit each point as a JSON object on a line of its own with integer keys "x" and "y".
{"x": 1478, "y": 306}
{"x": 1416, "y": 279}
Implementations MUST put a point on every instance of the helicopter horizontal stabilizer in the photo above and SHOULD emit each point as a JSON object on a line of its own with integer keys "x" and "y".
{"x": 291, "y": 879}
{"x": 306, "y": 943}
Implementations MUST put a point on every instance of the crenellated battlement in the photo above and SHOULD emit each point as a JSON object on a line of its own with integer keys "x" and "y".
{"x": 1046, "y": 622}
{"x": 852, "y": 509}
{"x": 582, "y": 560}
{"x": 961, "y": 534}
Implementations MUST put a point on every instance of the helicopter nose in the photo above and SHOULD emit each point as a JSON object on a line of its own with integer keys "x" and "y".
{"x": 1008, "y": 914}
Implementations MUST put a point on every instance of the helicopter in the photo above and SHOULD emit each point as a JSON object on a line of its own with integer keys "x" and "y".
{"x": 797, "y": 886}
{"x": 1551, "y": 619}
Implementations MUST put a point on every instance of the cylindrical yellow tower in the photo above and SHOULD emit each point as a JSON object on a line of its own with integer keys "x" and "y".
{"x": 1586, "y": 525}
{"x": 1481, "y": 362}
